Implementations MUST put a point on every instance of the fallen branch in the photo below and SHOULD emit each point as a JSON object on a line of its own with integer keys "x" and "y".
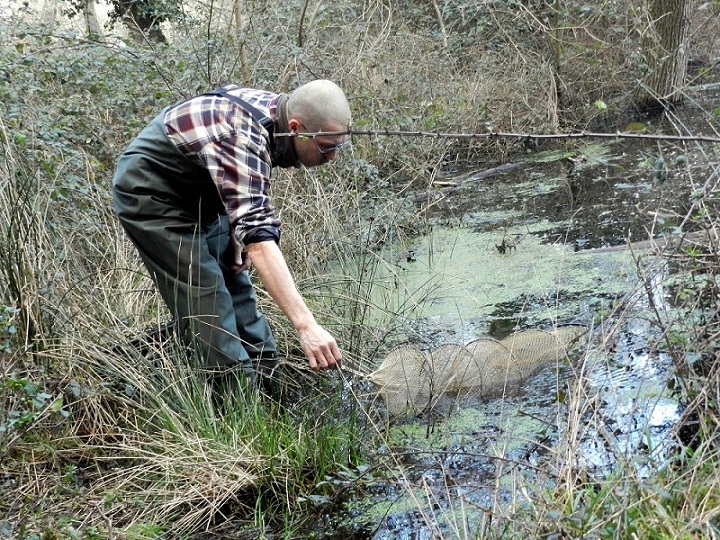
{"x": 449, "y": 187}
{"x": 665, "y": 244}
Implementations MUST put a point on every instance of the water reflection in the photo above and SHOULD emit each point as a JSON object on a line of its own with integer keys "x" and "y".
{"x": 635, "y": 411}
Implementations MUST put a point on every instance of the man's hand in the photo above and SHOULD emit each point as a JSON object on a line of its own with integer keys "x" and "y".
{"x": 320, "y": 348}
{"x": 242, "y": 262}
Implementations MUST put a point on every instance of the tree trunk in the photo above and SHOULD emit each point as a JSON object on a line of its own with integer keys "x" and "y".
{"x": 49, "y": 13}
{"x": 240, "y": 36}
{"x": 666, "y": 50}
{"x": 92, "y": 24}
{"x": 141, "y": 20}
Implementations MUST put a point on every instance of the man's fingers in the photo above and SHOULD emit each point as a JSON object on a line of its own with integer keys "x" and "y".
{"x": 322, "y": 361}
{"x": 336, "y": 356}
{"x": 242, "y": 263}
{"x": 237, "y": 269}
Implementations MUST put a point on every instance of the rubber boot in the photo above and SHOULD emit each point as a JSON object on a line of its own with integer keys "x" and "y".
{"x": 230, "y": 387}
{"x": 267, "y": 377}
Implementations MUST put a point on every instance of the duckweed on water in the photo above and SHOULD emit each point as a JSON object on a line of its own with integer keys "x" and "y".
{"x": 462, "y": 275}
{"x": 504, "y": 429}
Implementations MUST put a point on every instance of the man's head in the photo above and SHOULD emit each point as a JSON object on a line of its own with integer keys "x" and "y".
{"x": 318, "y": 106}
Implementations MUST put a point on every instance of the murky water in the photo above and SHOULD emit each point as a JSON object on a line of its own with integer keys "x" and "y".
{"x": 517, "y": 251}
{"x": 634, "y": 409}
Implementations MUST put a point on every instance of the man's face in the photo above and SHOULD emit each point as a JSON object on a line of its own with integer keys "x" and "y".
{"x": 314, "y": 150}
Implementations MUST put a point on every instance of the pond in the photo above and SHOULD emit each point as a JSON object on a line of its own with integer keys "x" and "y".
{"x": 533, "y": 245}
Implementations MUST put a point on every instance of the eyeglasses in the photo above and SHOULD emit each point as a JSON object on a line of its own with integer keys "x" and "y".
{"x": 327, "y": 149}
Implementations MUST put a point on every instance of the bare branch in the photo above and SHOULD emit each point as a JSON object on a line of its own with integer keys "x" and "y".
{"x": 524, "y": 136}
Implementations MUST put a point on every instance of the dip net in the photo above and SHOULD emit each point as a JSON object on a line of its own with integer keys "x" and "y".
{"x": 410, "y": 380}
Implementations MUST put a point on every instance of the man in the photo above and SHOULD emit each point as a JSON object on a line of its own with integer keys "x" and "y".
{"x": 192, "y": 193}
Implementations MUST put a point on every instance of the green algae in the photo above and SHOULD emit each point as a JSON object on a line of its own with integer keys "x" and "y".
{"x": 452, "y": 430}
{"x": 506, "y": 430}
{"x": 453, "y": 515}
{"x": 460, "y": 274}
{"x": 495, "y": 435}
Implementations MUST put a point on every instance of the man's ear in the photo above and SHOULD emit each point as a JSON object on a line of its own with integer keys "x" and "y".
{"x": 293, "y": 125}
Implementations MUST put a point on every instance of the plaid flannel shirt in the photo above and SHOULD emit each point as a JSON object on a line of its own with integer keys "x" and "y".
{"x": 222, "y": 137}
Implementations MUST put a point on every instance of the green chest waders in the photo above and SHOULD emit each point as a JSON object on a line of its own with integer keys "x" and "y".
{"x": 171, "y": 210}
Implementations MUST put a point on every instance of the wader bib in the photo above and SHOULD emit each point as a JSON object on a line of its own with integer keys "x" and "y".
{"x": 172, "y": 212}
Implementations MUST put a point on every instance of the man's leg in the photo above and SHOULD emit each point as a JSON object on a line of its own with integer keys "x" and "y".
{"x": 190, "y": 280}
{"x": 252, "y": 326}
{"x": 161, "y": 199}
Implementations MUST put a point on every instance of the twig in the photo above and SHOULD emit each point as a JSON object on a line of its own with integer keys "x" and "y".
{"x": 525, "y": 136}
{"x": 107, "y": 520}
{"x": 438, "y": 13}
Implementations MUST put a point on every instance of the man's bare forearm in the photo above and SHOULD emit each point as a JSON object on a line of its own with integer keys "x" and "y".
{"x": 319, "y": 346}
{"x": 274, "y": 273}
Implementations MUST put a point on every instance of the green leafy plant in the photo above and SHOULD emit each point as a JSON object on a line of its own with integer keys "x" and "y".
{"x": 8, "y": 329}
{"x": 25, "y": 406}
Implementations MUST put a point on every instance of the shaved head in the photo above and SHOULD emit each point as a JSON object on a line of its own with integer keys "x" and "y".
{"x": 320, "y": 105}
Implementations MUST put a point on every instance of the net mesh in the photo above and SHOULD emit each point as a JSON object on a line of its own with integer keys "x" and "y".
{"x": 410, "y": 380}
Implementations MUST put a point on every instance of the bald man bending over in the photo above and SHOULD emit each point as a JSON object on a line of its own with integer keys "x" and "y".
{"x": 192, "y": 193}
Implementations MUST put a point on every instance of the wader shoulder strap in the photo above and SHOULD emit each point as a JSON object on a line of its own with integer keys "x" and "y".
{"x": 260, "y": 118}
